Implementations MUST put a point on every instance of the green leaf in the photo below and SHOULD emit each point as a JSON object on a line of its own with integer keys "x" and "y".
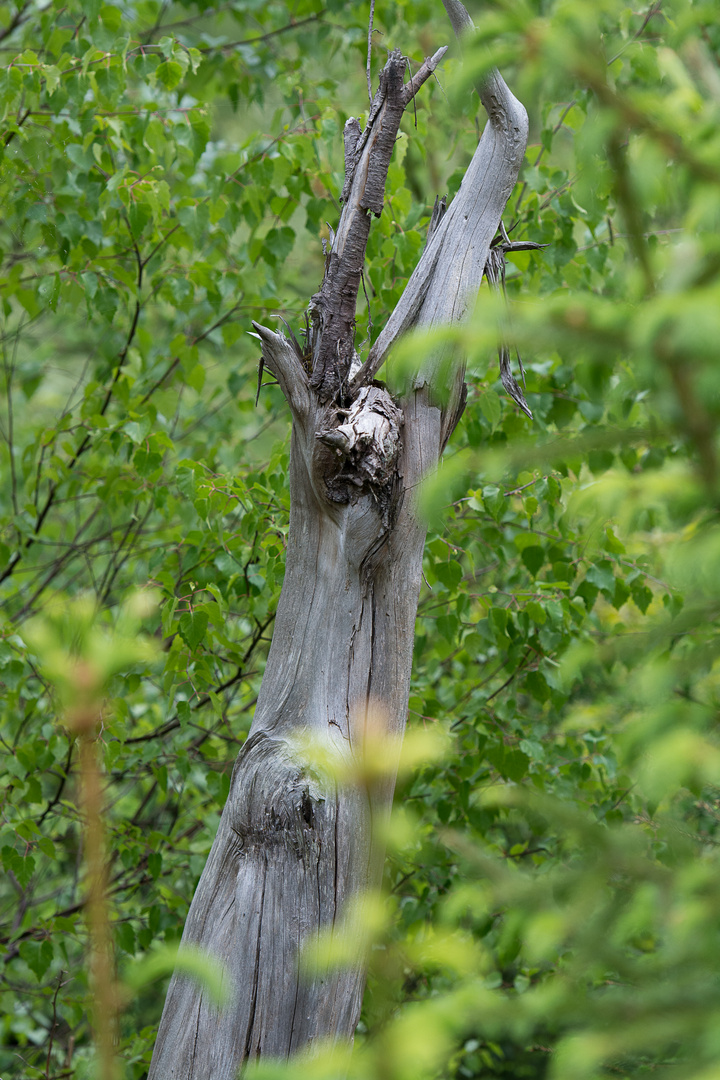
{"x": 111, "y": 17}
{"x": 255, "y": 577}
{"x": 196, "y": 378}
{"x": 494, "y": 501}
{"x": 621, "y": 595}
{"x": 193, "y": 626}
{"x": 515, "y": 765}
{"x": 601, "y": 574}
{"x": 38, "y": 956}
{"x": 537, "y": 686}
{"x": 491, "y": 408}
{"x": 642, "y": 595}
{"x": 536, "y": 611}
{"x": 169, "y": 74}
{"x": 534, "y": 558}
{"x": 612, "y": 543}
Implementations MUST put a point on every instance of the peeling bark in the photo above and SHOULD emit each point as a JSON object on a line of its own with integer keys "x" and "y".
{"x": 294, "y": 845}
{"x": 367, "y": 160}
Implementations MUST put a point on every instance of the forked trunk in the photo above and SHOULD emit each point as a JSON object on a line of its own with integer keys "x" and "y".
{"x": 294, "y": 843}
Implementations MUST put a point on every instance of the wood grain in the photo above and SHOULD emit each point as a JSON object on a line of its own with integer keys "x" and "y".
{"x": 296, "y": 841}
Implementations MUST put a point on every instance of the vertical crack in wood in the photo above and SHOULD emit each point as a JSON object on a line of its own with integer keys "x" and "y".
{"x": 197, "y": 1032}
{"x": 256, "y": 972}
{"x": 336, "y": 849}
{"x": 438, "y": 213}
{"x": 294, "y": 1012}
{"x": 352, "y": 133}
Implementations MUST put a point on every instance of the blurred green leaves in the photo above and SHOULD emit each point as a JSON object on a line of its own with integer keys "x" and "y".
{"x": 189, "y": 961}
{"x": 79, "y": 656}
{"x": 579, "y": 816}
{"x": 165, "y": 174}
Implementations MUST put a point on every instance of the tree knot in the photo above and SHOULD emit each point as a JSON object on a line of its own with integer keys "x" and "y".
{"x": 365, "y": 445}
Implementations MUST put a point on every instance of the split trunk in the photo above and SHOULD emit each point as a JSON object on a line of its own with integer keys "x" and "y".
{"x": 295, "y": 844}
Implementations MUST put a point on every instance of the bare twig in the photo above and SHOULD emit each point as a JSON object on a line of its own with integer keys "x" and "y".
{"x": 53, "y": 1026}
{"x": 9, "y": 374}
{"x": 369, "y": 52}
{"x": 654, "y": 9}
{"x": 317, "y": 17}
{"x": 20, "y": 16}
{"x": 63, "y": 778}
{"x": 11, "y": 134}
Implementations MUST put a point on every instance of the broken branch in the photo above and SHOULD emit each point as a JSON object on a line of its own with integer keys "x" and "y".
{"x": 367, "y": 159}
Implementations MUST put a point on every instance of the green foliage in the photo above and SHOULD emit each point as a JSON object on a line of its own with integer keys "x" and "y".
{"x": 165, "y": 175}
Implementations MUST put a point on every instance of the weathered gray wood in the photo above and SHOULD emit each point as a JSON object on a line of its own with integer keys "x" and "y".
{"x": 444, "y": 284}
{"x": 294, "y": 845}
{"x": 292, "y": 848}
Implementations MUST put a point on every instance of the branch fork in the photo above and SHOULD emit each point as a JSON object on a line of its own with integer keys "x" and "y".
{"x": 331, "y": 337}
{"x": 289, "y": 857}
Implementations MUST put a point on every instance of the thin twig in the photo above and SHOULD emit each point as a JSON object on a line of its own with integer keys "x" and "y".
{"x": 407, "y": 59}
{"x": 517, "y": 490}
{"x": 17, "y": 20}
{"x": 11, "y": 134}
{"x": 654, "y": 9}
{"x": 9, "y": 375}
{"x": 318, "y": 17}
{"x": 369, "y": 52}
{"x": 63, "y": 778}
{"x": 53, "y": 1026}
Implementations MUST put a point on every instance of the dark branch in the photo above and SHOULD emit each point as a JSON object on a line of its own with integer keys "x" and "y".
{"x": 367, "y": 162}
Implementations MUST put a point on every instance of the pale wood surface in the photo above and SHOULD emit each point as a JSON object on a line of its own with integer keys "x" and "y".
{"x": 293, "y": 845}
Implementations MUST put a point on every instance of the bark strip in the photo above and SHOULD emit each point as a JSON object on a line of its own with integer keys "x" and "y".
{"x": 367, "y": 160}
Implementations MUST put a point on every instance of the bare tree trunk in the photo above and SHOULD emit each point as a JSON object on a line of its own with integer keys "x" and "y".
{"x": 293, "y": 847}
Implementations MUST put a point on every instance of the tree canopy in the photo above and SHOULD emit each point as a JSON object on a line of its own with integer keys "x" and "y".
{"x": 167, "y": 173}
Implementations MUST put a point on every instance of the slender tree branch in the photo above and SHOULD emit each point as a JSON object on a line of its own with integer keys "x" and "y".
{"x": 9, "y": 374}
{"x": 56, "y": 797}
{"x": 86, "y": 442}
{"x": 109, "y": 579}
{"x": 51, "y": 1036}
{"x": 11, "y": 134}
{"x": 20, "y": 16}
{"x": 282, "y": 359}
{"x": 369, "y": 49}
{"x": 204, "y": 699}
{"x": 317, "y": 17}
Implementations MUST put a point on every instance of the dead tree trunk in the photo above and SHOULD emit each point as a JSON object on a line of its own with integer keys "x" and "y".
{"x": 294, "y": 847}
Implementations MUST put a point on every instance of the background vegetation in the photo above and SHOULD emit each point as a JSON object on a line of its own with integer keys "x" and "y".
{"x": 166, "y": 172}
